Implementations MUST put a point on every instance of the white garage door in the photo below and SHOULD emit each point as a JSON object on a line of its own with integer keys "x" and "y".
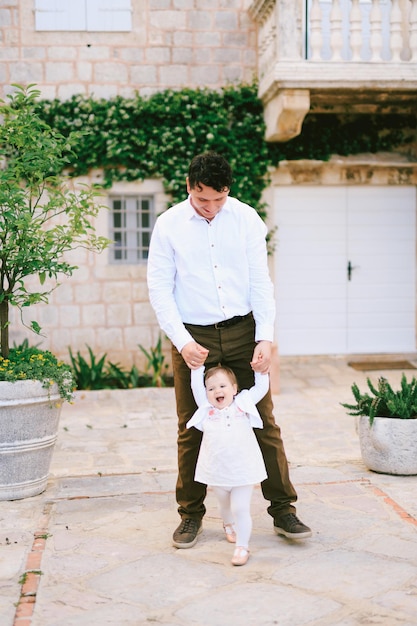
{"x": 345, "y": 269}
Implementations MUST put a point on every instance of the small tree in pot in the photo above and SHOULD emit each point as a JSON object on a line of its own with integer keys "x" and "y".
{"x": 42, "y": 217}
{"x": 387, "y": 425}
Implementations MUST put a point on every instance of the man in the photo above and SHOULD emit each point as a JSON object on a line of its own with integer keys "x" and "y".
{"x": 212, "y": 294}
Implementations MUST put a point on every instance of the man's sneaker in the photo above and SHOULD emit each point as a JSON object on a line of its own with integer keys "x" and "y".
{"x": 185, "y": 536}
{"x": 291, "y": 527}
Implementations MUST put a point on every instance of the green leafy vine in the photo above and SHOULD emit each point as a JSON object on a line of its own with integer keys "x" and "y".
{"x": 156, "y": 136}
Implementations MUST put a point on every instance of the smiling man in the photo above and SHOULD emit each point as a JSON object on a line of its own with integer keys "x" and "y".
{"x": 210, "y": 288}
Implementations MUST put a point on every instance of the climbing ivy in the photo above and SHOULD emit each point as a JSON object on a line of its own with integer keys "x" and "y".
{"x": 157, "y": 136}
{"x": 326, "y": 134}
{"x": 137, "y": 138}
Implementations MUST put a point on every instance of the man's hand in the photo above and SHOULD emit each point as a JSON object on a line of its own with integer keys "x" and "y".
{"x": 194, "y": 355}
{"x": 261, "y": 360}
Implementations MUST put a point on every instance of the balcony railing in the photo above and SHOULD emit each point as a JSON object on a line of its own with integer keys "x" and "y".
{"x": 316, "y": 53}
{"x": 362, "y": 30}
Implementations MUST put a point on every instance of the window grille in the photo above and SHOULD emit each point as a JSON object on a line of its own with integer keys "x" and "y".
{"x": 132, "y": 221}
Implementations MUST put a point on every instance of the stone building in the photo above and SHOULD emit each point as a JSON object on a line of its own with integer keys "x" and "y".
{"x": 345, "y": 262}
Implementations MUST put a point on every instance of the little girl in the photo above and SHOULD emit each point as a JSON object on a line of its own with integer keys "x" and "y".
{"x": 230, "y": 460}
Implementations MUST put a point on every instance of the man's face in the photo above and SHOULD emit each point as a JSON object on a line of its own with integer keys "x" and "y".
{"x": 206, "y": 201}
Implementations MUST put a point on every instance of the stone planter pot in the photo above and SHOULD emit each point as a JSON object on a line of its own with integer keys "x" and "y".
{"x": 29, "y": 417}
{"x": 389, "y": 446}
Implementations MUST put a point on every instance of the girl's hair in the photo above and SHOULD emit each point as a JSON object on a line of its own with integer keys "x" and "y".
{"x": 220, "y": 368}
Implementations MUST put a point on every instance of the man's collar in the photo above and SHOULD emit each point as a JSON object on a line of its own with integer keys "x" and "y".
{"x": 192, "y": 213}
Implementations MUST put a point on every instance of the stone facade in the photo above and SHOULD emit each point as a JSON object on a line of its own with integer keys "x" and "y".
{"x": 172, "y": 44}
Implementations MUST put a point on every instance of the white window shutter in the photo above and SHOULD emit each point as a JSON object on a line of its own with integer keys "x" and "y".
{"x": 109, "y": 15}
{"x": 60, "y": 15}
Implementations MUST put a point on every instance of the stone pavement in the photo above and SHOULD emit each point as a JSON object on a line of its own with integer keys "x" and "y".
{"x": 95, "y": 548}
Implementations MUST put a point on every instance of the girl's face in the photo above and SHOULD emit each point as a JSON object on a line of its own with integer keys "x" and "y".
{"x": 220, "y": 390}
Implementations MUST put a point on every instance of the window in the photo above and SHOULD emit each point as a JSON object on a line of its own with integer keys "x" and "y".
{"x": 132, "y": 221}
{"x": 88, "y": 15}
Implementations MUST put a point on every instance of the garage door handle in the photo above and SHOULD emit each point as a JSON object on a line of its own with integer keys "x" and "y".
{"x": 349, "y": 270}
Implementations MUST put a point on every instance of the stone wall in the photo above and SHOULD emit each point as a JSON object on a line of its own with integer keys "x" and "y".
{"x": 173, "y": 44}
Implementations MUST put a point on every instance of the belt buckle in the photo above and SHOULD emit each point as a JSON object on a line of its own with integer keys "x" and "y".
{"x": 226, "y": 323}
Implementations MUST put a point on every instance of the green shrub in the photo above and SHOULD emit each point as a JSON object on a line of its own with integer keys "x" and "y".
{"x": 384, "y": 401}
{"x": 98, "y": 373}
{"x": 89, "y": 375}
{"x": 155, "y": 363}
{"x": 33, "y": 364}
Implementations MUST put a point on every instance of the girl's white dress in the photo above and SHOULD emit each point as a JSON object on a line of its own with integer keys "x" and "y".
{"x": 229, "y": 454}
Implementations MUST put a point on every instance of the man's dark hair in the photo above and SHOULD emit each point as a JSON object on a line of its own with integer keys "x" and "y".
{"x": 212, "y": 170}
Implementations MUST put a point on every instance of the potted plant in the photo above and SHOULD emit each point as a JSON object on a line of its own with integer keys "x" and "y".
{"x": 387, "y": 425}
{"x": 43, "y": 216}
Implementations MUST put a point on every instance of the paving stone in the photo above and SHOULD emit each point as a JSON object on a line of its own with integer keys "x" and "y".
{"x": 109, "y": 510}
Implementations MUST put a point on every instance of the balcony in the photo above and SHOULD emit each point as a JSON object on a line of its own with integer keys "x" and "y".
{"x": 334, "y": 56}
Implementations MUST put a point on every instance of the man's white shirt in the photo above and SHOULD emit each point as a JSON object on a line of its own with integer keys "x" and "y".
{"x": 203, "y": 272}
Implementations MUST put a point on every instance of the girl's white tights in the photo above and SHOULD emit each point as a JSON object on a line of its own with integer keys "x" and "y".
{"x": 234, "y": 504}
